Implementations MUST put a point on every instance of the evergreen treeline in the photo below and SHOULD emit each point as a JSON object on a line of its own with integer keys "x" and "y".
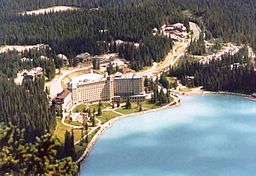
{"x": 231, "y": 73}
{"x": 197, "y": 47}
{"x": 164, "y": 81}
{"x": 152, "y": 49}
{"x": 71, "y": 33}
{"x": 159, "y": 97}
{"x": 233, "y": 20}
{"x": 27, "y": 107}
{"x": 69, "y": 145}
{"x": 12, "y": 7}
{"x": 40, "y": 158}
{"x": 12, "y": 62}
{"x": 75, "y": 32}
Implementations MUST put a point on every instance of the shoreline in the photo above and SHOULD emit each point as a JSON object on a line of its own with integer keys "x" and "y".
{"x": 249, "y": 97}
{"x": 173, "y": 104}
{"x": 196, "y": 92}
{"x": 110, "y": 123}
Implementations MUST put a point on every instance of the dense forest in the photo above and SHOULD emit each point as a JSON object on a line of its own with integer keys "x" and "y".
{"x": 94, "y": 28}
{"x": 197, "y": 47}
{"x": 26, "y": 106}
{"x": 230, "y": 73}
{"x": 19, "y": 157}
{"x": 151, "y": 50}
{"x": 232, "y": 20}
{"x": 92, "y": 31}
{"x": 12, "y": 62}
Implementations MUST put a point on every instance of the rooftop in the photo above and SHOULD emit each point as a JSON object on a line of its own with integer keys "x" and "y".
{"x": 130, "y": 76}
{"x": 92, "y": 77}
{"x": 86, "y": 78}
{"x": 63, "y": 94}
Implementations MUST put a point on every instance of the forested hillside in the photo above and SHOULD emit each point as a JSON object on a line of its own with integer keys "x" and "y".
{"x": 233, "y": 20}
{"x": 72, "y": 33}
{"x": 87, "y": 30}
{"x": 26, "y": 106}
{"x": 94, "y": 28}
{"x": 231, "y": 73}
{"x": 42, "y": 157}
{"x": 95, "y": 31}
{"x": 12, "y": 62}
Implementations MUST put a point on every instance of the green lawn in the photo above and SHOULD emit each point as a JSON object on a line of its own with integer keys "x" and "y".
{"x": 61, "y": 129}
{"x": 107, "y": 115}
{"x": 148, "y": 105}
{"x": 80, "y": 148}
{"x": 127, "y": 111}
{"x": 79, "y": 108}
{"x": 95, "y": 106}
{"x": 106, "y": 105}
{"x": 73, "y": 122}
{"x": 145, "y": 68}
{"x": 170, "y": 79}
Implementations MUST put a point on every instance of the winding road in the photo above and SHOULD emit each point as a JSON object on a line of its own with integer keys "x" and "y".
{"x": 55, "y": 85}
{"x": 179, "y": 50}
{"x": 172, "y": 57}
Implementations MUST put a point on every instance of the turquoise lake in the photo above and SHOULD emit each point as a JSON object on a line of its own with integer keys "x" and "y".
{"x": 209, "y": 135}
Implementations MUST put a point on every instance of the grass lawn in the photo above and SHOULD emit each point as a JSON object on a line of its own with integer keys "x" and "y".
{"x": 148, "y": 105}
{"x": 127, "y": 111}
{"x": 73, "y": 122}
{"x": 194, "y": 58}
{"x": 106, "y": 105}
{"x": 61, "y": 129}
{"x": 145, "y": 68}
{"x": 95, "y": 106}
{"x": 107, "y": 115}
{"x": 79, "y": 108}
{"x": 80, "y": 148}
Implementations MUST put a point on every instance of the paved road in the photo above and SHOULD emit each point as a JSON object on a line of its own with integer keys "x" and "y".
{"x": 55, "y": 85}
{"x": 175, "y": 54}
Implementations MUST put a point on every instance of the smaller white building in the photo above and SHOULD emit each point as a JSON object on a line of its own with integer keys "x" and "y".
{"x": 33, "y": 73}
{"x": 64, "y": 100}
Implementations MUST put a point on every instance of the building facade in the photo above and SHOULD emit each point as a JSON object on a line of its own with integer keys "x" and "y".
{"x": 93, "y": 91}
{"x": 129, "y": 86}
{"x": 91, "y": 88}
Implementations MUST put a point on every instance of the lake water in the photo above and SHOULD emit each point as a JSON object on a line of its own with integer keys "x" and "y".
{"x": 209, "y": 135}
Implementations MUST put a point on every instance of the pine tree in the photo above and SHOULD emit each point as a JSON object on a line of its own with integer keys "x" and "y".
{"x": 128, "y": 104}
{"x": 20, "y": 158}
{"x": 99, "y": 109}
{"x": 69, "y": 147}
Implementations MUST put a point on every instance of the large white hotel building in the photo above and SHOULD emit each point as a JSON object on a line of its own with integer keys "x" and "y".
{"x": 90, "y": 88}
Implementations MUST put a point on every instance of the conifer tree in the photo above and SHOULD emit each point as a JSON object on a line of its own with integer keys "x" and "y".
{"x": 20, "y": 158}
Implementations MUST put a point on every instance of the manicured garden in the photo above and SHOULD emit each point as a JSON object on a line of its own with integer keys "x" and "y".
{"x": 106, "y": 116}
